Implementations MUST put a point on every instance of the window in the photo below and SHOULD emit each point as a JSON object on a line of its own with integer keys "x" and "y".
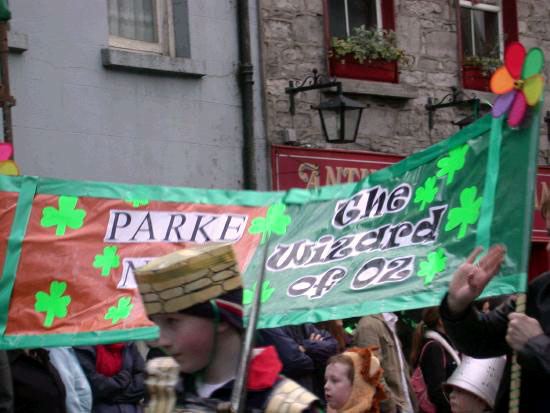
{"x": 341, "y": 18}
{"x": 151, "y": 26}
{"x": 345, "y": 15}
{"x": 486, "y": 26}
{"x": 482, "y": 33}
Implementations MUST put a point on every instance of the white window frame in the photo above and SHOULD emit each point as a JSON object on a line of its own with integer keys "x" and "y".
{"x": 378, "y": 4}
{"x": 165, "y": 34}
{"x": 491, "y": 8}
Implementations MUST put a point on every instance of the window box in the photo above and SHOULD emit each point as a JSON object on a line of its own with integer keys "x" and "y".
{"x": 377, "y": 70}
{"x": 474, "y": 78}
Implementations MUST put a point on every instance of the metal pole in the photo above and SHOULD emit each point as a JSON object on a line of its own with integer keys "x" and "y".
{"x": 238, "y": 394}
{"x": 515, "y": 374}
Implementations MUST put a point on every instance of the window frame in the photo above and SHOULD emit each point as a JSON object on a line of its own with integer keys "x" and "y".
{"x": 165, "y": 34}
{"x": 490, "y": 8}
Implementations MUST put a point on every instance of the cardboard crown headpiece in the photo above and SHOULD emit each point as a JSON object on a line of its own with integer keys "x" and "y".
{"x": 188, "y": 277}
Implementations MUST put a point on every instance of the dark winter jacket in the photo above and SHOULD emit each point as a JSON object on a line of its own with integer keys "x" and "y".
{"x": 121, "y": 393}
{"x": 307, "y": 366}
{"x": 483, "y": 335}
{"x": 37, "y": 385}
{"x": 6, "y": 385}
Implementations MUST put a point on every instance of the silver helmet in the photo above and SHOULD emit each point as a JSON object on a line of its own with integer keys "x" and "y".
{"x": 479, "y": 376}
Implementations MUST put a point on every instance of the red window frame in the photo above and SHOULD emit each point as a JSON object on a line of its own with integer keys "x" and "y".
{"x": 385, "y": 72}
{"x": 510, "y": 21}
{"x": 472, "y": 79}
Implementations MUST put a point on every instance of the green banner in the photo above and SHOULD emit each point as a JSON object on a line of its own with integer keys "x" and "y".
{"x": 389, "y": 242}
{"x": 392, "y": 241}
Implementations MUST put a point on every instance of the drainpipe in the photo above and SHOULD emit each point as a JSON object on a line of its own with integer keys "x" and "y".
{"x": 246, "y": 81}
{"x": 459, "y": 57}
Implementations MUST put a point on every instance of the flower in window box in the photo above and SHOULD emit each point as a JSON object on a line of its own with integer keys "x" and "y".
{"x": 486, "y": 64}
{"x": 476, "y": 71}
{"x": 518, "y": 82}
{"x": 367, "y": 54}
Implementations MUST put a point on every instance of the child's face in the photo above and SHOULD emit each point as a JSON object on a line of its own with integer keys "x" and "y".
{"x": 188, "y": 339}
{"x": 337, "y": 385}
{"x": 465, "y": 402}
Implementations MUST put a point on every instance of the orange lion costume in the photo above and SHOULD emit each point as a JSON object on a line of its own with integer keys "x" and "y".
{"x": 367, "y": 391}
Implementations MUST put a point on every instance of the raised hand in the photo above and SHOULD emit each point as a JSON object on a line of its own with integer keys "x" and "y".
{"x": 470, "y": 279}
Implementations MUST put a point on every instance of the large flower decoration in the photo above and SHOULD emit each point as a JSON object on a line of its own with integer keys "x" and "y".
{"x": 518, "y": 82}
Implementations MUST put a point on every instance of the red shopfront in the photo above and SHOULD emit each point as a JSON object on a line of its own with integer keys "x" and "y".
{"x": 294, "y": 167}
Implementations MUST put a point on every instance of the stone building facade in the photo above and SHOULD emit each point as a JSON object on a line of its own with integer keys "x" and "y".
{"x": 395, "y": 120}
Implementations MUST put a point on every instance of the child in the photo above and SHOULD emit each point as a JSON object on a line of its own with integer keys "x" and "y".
{"x": 474, "y": 384}
{"x": 433, "y": 359}
{"x": 195, "y": 297}
{"x": 353, "y": 382}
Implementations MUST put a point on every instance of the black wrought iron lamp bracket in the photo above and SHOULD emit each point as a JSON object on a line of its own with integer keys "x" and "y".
{"x": 312, "y": 82}
{"x": 455, "y": 98}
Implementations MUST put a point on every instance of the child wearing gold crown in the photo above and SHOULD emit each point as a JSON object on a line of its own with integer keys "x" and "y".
{"x": 195, "y": 297}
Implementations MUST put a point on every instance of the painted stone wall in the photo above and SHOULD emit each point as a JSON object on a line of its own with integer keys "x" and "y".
{"x": 77, "y": 119}
{"x": 395, "y": 120}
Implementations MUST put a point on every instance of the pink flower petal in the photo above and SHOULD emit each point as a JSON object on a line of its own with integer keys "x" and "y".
{"x": 518, "y": 110}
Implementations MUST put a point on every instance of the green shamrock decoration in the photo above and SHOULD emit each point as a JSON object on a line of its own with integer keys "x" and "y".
{"x": 248, "y": 295}
{"x": 452, "y": 163}
{"x": 426, "y": 194}
{"x": 466, "y": 214}
{"x": 108, "y": 260}
{"x": 136, "y": 203}
{"x": 275, "y": 221}
{"x": 54, "y": 304}
{"x": 436, "y": 262}
{"x": 65, "y": 216}
{"x": 121, "y": 310}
